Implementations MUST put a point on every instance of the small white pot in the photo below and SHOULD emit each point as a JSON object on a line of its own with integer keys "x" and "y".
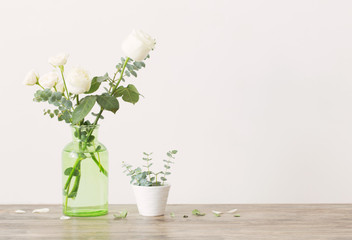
{"x": 151, "y": 201}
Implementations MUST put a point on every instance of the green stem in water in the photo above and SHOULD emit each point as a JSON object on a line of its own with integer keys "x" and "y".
{"x": 99, "y": 165}
{"x": 72, "y": 172}
{"x": 67, "y": 196}
{"x": 74, "y": 189}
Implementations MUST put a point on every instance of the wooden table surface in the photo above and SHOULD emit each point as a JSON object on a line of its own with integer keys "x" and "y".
{"x": 256, "y": 221}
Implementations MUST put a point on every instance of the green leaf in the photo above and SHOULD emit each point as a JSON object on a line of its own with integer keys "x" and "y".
{"x": 172, "y": 214}
{"x": 93, "y": 86}
{"x": 133, "y": 73}
{"x": 129, "y": 67}
{"x": 217, "y": 214}
{"x": 164, "y": 179}
{"x": 83, "y": 109}
{"x": 96, "y": 115}
{"x": 66, "y": 116}
{"x": 103, "y": 78}
{"x": 96, "y": 81}
{"x": 237, "y": 215}
{"x": 108, "y": 102}
{"x": 119, "y": 91}
{"x": 174, "y": 151}
{"x": 68, "y": 171}
{"x": 129, "y": 94}
{"x": 127, "y": 73}
{"x": 196, "y": 212}
{"x": 66, "y": 103}
{"x": 58, "y": 95}
{"x": 121, "y": 215}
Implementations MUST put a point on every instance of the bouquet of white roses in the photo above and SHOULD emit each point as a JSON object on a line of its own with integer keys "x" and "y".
{"x": 73, "y": 95}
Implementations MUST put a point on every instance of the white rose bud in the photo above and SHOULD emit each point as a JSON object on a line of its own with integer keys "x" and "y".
{"x": 137, "y": 45}
{"x": 60, "y": 86}
{"x": 31, "y": 78}
{"x": 59, "y": 60}
{"x": 78, "y": 80}
{"x": 49, "y": 80}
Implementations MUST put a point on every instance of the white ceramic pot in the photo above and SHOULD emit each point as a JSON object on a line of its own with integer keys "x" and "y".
{"x": 151, "y": 201}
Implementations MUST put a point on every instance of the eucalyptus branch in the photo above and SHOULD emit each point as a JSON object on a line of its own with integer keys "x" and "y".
{"x": 148, "y": 178}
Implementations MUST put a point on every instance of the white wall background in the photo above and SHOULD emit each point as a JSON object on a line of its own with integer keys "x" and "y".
{"x": 255, "y": 95}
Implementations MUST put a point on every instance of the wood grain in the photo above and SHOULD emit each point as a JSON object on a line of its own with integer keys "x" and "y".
{"x": 257, "y": 221}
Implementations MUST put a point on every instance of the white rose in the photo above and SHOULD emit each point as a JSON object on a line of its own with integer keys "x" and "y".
{"x": 31, "y": 78}
{"x": 59, "y": 60}
{"x": 49, "y": 80}
{"x": 137, "y": 45}
{"x": 60, "y": 86}
{"x": 78, "y": 80}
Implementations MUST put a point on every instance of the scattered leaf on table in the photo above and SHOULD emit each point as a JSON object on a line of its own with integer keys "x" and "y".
{"x": 172, "y": 214}
{"x": 121, "y": 215}
{"x": 237, "y": 215}
{"x": 64, "y": 218}
{"x": 20, "y": 211}
{"x": 196, "y": 212}
{"x": 41, "y": 210}
{"x": 232, "y": 211}
{"x": 217, "y": 212}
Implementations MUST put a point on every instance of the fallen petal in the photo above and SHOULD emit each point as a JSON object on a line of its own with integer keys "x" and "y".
{"x": 20, "y": 211}
{"x": 217, "y": 212}
{"x": 64, "y": 218}
{"x": 232, "y": 211}
{"x": 41, "y": 210}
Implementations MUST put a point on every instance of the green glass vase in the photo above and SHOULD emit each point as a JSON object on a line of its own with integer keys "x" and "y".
{"x": 85, "y": 174}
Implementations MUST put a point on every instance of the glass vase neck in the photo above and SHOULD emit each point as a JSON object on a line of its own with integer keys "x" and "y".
{"x": 84, "y": 132}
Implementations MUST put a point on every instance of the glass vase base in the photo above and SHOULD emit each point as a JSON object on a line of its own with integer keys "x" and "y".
{"x": 86, "y": 211}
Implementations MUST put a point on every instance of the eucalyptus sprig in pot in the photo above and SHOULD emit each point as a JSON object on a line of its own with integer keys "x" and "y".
{"x": 150, "y": 188}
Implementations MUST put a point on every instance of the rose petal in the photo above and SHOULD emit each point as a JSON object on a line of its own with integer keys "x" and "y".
{"x": 232, "y": 211}
{"x": 217, "y": 212}
{"x": 41, "y": 210}
{"x": 20, "y": 211}
{"x": 64, "y": 218}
